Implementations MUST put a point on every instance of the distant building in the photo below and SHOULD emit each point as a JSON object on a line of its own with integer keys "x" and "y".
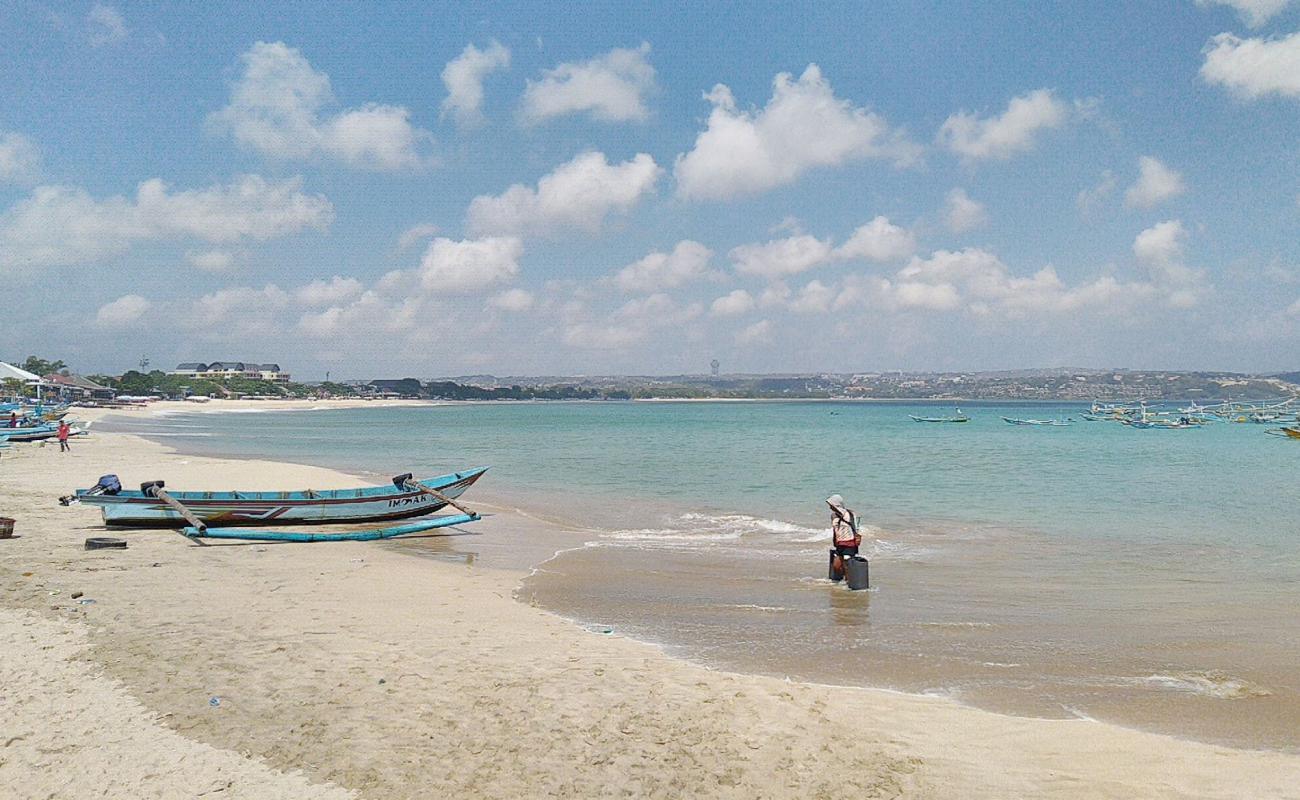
{"x": 76, "y": 387}
{"x": 226, "y": 370}
{"x": 403, "y": 387}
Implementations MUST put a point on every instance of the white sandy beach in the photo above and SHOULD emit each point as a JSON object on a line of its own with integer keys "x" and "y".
{"x": 358, "y": 670}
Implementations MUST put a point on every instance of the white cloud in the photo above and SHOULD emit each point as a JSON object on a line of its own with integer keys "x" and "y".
{"x": 65, "y": 225}
{"x": 276, "y": 109}
{"x": 1161, "y": 249}
{"x": 879, "y": 240}
{"x": 106, "y": 25}
{"x": 463, "y": 76}
{"x": 328, "y": 293}
{"x": 689, "y": 261}
{"x": 122, "y": 311}
{"x": 978, "y": 280}
{"x": 1254, "y": 68}
{"x": 416, "y": 233}
{"x": 961, "y": 213}
{"x": 1088, "y": 199}
{"x": 631, "y": 323}
{"x": 209, "y": 260}
{"x": 780, "y": 257}
{"x": 1161, "y": 243}
{"x": 376, "y": 137}
{"x": 470, "y": 265}
{"x": 1255, "y": 13}
{"x": 803, "y": 126}
{"x": 250, "y": 311}
{"x": 577, "y": 194}
{"x": 757, "y": 333}
{"x": 974, "y": 138}
{"x": 512, "y": 300}
{"x": 611, "y": 87}
{"x": 733, "y": 304}
{"x": 1155, "y": 184}
{"x": 814, "y": 298}
{"x": 20, "y": 159}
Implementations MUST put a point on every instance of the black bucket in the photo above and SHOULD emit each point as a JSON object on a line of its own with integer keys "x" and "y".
{"x": 831, "y": 574}
{"x": 857, "y": 573}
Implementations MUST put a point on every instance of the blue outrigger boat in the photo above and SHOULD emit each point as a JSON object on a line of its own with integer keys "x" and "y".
{"x": 205, "y": 513}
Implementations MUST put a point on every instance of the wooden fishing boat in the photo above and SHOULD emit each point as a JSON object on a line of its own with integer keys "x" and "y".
{"x": 402, "y": 499}
{"x": 1051, "y": 422}
{"x": 1290, "y": 433}
{"x": 959, "y": 418}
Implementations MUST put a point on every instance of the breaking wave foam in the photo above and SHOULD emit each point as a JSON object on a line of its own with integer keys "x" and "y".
{"x": 1212, "y": 683}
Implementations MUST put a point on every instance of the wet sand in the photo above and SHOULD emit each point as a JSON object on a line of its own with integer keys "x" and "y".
{"x": 355, "y": 669}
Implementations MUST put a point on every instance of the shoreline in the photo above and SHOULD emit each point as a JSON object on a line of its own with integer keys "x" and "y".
{"x": 586, "y": 712}
{"x": 671, "y": 649}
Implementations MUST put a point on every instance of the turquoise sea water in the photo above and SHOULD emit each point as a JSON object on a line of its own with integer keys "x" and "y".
{"x": 1149, "y": 577}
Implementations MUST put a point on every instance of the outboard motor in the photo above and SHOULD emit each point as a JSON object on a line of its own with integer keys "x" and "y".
{"x": 402, "y": 480}
{"x": 108, "y": 484}
{"x": 150, "y": 488}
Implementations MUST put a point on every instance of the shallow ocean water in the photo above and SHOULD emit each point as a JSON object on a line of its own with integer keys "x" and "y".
{"x": 1150, "y": 578}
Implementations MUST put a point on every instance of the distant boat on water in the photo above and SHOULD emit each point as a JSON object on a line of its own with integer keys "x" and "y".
{"x": 958, "y": 417}
{"x": 1058, "y": 423}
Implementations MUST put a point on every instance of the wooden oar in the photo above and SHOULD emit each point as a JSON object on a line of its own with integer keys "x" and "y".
{"x": 419, "y": 487}
{"x": 155, "y": 489}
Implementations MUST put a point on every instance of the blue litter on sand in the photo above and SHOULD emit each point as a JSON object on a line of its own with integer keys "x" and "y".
{"x": 214, "y": 702}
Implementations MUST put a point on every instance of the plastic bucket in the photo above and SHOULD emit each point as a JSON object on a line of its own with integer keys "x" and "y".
{"x": 831, "y": 574}
{"x": 6, "y": 528}
{"x": 857, "y": 573}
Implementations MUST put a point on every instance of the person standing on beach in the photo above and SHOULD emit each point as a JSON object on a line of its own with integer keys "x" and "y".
{"x": 64, "y": 432}
{"x": 13, "y": 419}
{"x": 844, "y": 531}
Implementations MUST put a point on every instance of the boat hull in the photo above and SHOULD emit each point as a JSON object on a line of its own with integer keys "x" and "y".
{"x": 233, "y": 509}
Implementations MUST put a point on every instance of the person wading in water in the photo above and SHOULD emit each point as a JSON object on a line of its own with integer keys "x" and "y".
{"x": 844, "y": 531}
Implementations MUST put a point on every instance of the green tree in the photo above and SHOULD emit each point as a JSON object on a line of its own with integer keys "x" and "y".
{"x": 41, "y": 367}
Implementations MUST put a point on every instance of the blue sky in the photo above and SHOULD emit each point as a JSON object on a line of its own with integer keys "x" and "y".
{"x": 523, "y": 189}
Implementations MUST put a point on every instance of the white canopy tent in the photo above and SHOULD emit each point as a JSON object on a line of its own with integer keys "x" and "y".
{"x": 10, "y": 371}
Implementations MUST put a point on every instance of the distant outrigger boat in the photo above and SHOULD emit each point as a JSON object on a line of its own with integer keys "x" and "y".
{"x": 1058, "y": 423}
{"x": 152, "y": 508}
{"x": 959, "y": 417}
{"x": 1289, "y": 433}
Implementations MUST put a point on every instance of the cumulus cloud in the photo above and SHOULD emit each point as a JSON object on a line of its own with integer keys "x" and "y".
{"x": 1156, "y": 183}
{"x": 611, "y": 87}
{"x": 277, "y": 105}
{"x": 688, "y": 261}
{"x": 416, "y": 233}
{"x": 469, "y": 265}
{"x": 512, "y": 300}
{"x": 65, "y": 225}
{"x": 757, "y": 333}
{"x": 20, "y": 159}
{"x": 1255, "y": 13}
{"x": 332, "y": 292}
{"x": 781, "y": 257}
{"x": 961, "y": 213}
{"x": 463, "y": 76}
{"x": 977, "y": 280}
{"x": 1003, "y": 136}
{"x": 1254, "y": 68}
{"x": 209, "y": 260}
{"x": 803, "y": 126}
{"x": 879, "y": 240}
{"x": 732, "y": 304}
{"x": 252, "y": 311}
{"x": 105, "y": 25}
{"x": 631, "y": 323}
{"x": 122, "y": 311}
{"x": 578, "y": 194}
{"x": 1161, "y": 249}
{"x": 814, "y": 297}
